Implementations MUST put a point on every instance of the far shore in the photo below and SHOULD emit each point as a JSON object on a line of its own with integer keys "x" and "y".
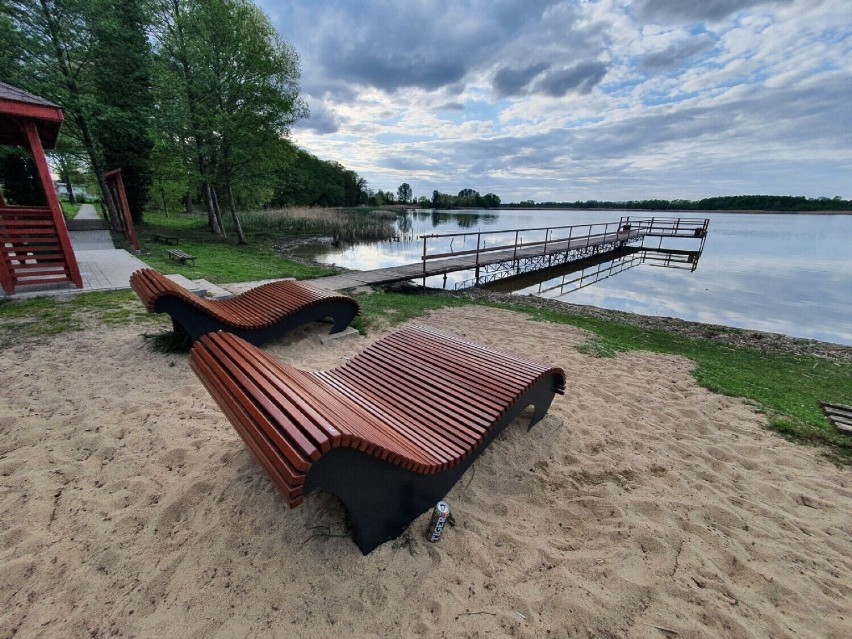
{"x": 679, "y": 211}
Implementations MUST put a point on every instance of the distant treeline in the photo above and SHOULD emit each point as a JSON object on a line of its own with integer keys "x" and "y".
{"x": 726, "y": 203}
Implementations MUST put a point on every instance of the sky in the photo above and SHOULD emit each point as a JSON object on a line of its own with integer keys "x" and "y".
{"x": 575, "y": 100}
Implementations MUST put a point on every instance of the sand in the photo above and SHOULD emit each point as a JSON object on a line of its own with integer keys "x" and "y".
{"x": 641, "y": 506}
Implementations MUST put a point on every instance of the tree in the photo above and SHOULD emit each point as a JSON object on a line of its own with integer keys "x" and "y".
{"x": 52, "y": 44}
{"x": 121, "y": 56}
{"x": 490, "y": 201}
{"x": 232, "y": 88}
{"x": 403, "y": 193}
{"x": 178, "y": 62}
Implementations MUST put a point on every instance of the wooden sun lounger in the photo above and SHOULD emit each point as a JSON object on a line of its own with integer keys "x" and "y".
{"x": 258, "y": 315}
{"x": 389, "y": 432}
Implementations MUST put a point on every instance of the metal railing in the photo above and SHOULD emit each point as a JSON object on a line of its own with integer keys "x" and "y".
{"x": 551, "y": 235}
{"x": 505, "y": 245}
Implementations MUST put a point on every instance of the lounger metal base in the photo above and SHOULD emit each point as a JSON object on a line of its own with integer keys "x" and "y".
{"x": 195, "y": 323}
{"x": 382, "y": 499}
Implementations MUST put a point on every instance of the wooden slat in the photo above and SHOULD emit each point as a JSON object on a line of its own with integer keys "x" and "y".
{"x": 393, "y": 404}
{"x": 258, "y": 308}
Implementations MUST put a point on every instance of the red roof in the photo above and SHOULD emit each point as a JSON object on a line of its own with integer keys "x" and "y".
{"x": 17, "y": 104}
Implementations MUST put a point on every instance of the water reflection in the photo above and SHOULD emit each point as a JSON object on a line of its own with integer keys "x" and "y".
{"x": 790, "y": 274}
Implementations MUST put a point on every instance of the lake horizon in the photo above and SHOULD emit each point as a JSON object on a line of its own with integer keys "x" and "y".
{"x": 788, "y": 273}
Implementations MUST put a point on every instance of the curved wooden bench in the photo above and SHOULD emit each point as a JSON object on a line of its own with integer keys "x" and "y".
{"x": 389, "y": 432}
{"x": 257, "y": 315}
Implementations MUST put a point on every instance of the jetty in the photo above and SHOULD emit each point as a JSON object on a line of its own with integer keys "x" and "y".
{"x": 493, "y": 255}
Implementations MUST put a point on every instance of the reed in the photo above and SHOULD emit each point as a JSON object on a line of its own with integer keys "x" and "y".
{"x": 344, "y": 225}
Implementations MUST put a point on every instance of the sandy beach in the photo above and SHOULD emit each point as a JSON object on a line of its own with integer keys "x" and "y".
{"x": 642, "y": 506}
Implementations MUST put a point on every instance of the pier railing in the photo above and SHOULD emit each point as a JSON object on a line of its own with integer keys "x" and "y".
{"x": 506, "y": 244}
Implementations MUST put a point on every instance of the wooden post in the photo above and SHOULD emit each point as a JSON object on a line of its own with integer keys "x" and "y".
{"x": 116, "y": 183}
{"x": 478, "y": 240}
{"x": 5, "y": 276}
{"x": 424, "y": 263}
{"x": 37, "y": 151}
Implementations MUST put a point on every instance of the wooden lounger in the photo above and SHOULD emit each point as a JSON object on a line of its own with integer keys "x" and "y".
{"x": 257, "y": 315}
{"x": 389, "y": 432}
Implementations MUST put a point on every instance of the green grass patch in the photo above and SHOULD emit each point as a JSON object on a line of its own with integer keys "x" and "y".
{"x": 29, "y": 319}
{"x": 69, "y": 210}
{"x": 218, "y": 259}
{"x": 168, "y": 342}
{"x": 379, "y": 309}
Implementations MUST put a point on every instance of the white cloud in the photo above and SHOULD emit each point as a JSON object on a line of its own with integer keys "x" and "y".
{"x": 575, "y": 100}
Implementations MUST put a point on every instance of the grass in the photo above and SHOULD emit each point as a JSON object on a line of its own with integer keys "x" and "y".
{"x": 787, "y": 388}
{"x": 348, "y": 225}
{"x": 29, "y": 319}
{"x": 223, "y": 260}
{"x": 217, "y": 259}
{"x": 69, "y": 210}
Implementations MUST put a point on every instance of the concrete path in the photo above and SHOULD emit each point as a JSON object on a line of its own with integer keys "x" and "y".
{"x": 102, "y": 266}
{"x": 87, "y": 212}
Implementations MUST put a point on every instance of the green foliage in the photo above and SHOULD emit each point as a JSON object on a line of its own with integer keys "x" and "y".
{"x": 466, "y": 198}
{"x": 219, "y": 260}
{"x": 88, "y": 56}
{"x": 19, "y": 178}
{"x": 302, "y": 179}
{"x": 403, "y": 193}
{"x": 121, "y": 56}
{"x": 228, "y": 89}
{"x": 726, "y": 203}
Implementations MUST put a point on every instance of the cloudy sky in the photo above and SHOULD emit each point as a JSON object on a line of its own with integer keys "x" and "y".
{"x": 577, "y": 99}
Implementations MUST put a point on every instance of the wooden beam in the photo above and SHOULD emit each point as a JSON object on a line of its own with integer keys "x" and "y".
{"x": 37, "y": 151}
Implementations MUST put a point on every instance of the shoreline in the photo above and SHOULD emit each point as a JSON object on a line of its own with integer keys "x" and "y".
{"x": 774, "y": 343}
{"x": 679, "y": 211}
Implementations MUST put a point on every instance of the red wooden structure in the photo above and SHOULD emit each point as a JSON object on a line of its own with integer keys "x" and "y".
{"x": 35, "y": 247}
{"x": 115, "y": 183}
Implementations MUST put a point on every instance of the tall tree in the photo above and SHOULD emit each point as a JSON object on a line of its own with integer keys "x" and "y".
{"x": 53, "y": 47}
{"x": 179, "y": 47}
{"x": 403, "y": 193}
{"x": 121, "y": 56}
{"x": 241, "y": 87}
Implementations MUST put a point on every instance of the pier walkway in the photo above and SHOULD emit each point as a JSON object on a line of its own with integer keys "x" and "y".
{"x": 498, "y": 254}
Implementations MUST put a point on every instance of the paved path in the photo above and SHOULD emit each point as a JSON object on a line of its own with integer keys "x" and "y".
{"x": 87, "y": 212}
{"x": 102, "y": 266}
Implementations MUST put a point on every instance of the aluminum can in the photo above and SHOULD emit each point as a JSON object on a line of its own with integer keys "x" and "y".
{"x": 438, "y": 521}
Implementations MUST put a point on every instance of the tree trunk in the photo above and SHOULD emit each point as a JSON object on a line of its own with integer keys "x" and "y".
{"x": 214, "y": 220}
{"x": 241, "y": 238}
{"x": 79, "y": 116}
{"x": 65, "y": 174}
{"x": 163, "y": 198}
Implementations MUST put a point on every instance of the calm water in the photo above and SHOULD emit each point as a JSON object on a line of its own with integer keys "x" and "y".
{"x": 788, "y": 274}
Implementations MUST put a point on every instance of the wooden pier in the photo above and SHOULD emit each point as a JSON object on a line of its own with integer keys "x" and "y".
{"x": 498, "y": 254}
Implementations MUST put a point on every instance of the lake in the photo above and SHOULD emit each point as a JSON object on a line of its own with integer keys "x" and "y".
{"x": 789, "y": 274}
